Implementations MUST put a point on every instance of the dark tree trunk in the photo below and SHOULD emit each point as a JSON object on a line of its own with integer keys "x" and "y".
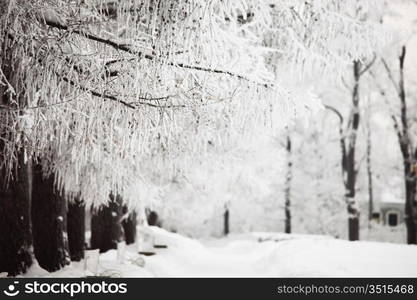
{"x": 409, "y": 159}
{"x": 406, "y": 146}
{"x": 353, "y": 229}
{"x": 129, "y": 226}
{"x": 348, "y": 149}
{"x": 15, "y": 191}
{"x": 369, "y": 172}
{"x": 49, "y": 222}
{"x": 370, "y": 184}
{"x": 349, "y": 168}
{"x": 408, "y": 154}
{"x": 288, "y": 180}
{"x": 15, "y": 220}
{"x": 76, "y": 229}
{"x": 226, "y": 229}
{"x": 152, "y": 218}
{"x": 106, "y": 227}
{"x": 352, "y": 209}
{"x": 411, "y": 208}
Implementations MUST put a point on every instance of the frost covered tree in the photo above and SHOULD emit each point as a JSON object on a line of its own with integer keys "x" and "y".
{"x": 360, "y": 13}
{"x": 110, "y": 97}
{"x": 348, "y": 140}
{"x": 408, "y": 152}
{"x": 403, "y": 127}
{"x": 317, "y": 205}
{"x": 15, "y": 180}
{"x": 394, "y": 82}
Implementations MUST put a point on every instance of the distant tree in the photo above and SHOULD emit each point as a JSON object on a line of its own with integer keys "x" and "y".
{"x": 226, "y": 220}
{"x": 288, "y": 180}
{"x": 348, "y": 141}
{"x": 402, "y": 126}
{"x": 152, "y": 218}
{"x": 129, "y": 222}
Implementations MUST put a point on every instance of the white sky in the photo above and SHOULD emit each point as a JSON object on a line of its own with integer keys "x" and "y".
{"x": 403, "y": 18}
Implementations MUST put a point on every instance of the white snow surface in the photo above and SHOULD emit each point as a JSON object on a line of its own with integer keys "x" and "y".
{"x": 253, "y": 255}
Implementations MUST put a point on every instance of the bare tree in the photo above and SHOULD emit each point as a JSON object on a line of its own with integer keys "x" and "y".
{"x": 348, "y": 139}
{"x": 408, "y": 151}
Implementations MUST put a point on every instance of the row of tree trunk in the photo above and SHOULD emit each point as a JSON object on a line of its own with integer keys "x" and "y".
{"x": 38, "y": 222}
{"x": 112, "y": 224}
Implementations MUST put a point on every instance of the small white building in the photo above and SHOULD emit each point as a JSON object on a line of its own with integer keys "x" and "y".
{"x": 389, "y": 210}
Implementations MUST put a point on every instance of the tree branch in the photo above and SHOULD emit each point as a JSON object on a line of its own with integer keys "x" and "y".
{"x": 342, "y": 139}
{"x": 334, "y": 110}
{"x": 384, "y": 95}
{"x": 97, "y": 94}
{"x": 127, "y": 49}
{"x": 391, "y": 77}
{"x": 368, "y": 66}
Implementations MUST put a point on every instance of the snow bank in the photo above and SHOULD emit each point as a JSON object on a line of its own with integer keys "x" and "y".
{"x": 253, "y": 255}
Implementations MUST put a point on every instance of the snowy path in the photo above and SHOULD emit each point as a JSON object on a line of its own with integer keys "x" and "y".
{"x": 237, "y": 258}
{"x": 245, "y": 256}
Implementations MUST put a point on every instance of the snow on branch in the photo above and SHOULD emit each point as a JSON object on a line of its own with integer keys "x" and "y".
{"x": 54, "y": 22}
{"x": 195, "y": 71}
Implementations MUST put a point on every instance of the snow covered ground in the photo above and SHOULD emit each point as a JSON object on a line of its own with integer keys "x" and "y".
{"x": 253, "y": 255}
